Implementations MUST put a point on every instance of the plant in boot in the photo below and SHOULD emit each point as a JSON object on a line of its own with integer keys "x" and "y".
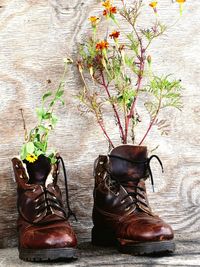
{"x": 36, "y": 142}
{"x": 122, "y": 78}
{"x": 43, "y": 228}
{"x": 121, "y": 72}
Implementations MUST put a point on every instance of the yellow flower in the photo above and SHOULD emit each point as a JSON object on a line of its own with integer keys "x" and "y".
{"x": 107, "y": 4}
{"x": 94, "y": 20}
{"x": 153, "y": 4}
{"x": 31, "y": 158}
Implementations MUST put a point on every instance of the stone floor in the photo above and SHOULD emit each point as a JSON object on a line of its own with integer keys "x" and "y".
{"x": 187, "y": 254}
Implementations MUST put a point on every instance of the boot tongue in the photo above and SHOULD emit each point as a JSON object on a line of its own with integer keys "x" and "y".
{"x": 122, "y": 168}
{"x": 38, "y": 170}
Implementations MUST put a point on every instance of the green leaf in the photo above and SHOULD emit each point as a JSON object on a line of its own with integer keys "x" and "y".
{"x": 59, "y": 93}
{"x": 62, "y": 101}
{"x": 52, "y": 103}
{"x": 39, "y": 145}
{"x": 40, "y": 112}
{"x": 42, "y": 129}
{"x": 53, "y": 160}
{"x": 46, "y": 95}
{"x": 38, "y": 153}
{"x": 46, "y": 116}
{"x": 54, "y": 120}
{"x": 23, "y": 152}
{"x": 29, "y": 147}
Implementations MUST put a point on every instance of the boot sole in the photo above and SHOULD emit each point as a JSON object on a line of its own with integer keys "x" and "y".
{"x": 108, "y": 238}
{"x": 53, "y": 254}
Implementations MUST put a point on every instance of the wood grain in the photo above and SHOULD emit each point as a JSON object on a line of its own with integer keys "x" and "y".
{"x": 35, "y": 35}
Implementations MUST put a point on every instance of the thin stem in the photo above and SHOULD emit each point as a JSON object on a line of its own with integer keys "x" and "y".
{"x": 105, "y": 133}
{"x": 24, "y": 125}
{"x": 99, "y": 121}
{"x": 114, "y": 109}
{"x": 139, "y": 81}
{"x": 152, "y": 122}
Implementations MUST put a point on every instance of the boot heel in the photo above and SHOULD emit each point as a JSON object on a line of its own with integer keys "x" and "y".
{"x": 103, "y": 237}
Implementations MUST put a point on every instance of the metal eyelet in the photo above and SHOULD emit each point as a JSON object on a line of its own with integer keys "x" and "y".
{"x": 37, "y": 207}
{"x": 17, "y": 166}
{"x": 128, "y": 208}
{"x": 34, "y": 190}
{"x": 122, "y": 201}
{"x": 99, "y": 173}
{"x": 21, "y": 176}
{"x": 101, "y": 162}
{"x": 38, "y": 215}
{"x": 117, "y": 194}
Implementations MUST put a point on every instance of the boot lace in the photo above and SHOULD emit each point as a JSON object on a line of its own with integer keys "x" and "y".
{"x": 137, "y": 190}
{"x": 51, "y": 201}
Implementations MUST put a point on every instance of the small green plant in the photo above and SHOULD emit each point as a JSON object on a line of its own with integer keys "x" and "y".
{"x": 36, "y": 142}
{"x": 121, "y": 71}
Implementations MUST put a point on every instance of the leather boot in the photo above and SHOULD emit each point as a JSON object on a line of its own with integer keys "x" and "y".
{"x": 121, "y": 214}
{"x": 43, "y": 228}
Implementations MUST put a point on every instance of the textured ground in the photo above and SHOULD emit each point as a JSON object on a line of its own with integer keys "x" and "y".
{"x": 187, "y": 254}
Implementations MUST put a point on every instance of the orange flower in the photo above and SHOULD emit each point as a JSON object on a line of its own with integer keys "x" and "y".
{"x": 105, "y": 12}
{"x": 153, "y": 4}
{"x": 180, "y": 1}
{"x": 109, "y": 9}
{"x": 102, "y": 45}
{"x": 113, "y": 10}
{"x": 114, "y": 35}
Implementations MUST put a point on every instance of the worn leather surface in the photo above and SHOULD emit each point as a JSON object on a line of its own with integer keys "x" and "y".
{"x": 129, "y": 217}
{"x": 42, "y": 222}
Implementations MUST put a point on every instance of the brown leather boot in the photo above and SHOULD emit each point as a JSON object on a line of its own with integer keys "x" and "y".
{"x": 44, "y": 232}
{"x": 121, "y": 214}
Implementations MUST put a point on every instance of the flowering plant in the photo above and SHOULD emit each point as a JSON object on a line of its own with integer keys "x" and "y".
{"x": 36, "y": 141}
{"x": 121, "y": 72}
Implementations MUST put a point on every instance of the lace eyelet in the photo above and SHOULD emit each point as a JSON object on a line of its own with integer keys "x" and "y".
{"x": 38, "y": 215}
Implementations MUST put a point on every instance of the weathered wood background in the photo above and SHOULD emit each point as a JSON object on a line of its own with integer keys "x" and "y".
{"x": 35, "y": 35}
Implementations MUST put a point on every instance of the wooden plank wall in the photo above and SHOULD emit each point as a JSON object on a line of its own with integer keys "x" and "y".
{"x": 35, "y": 36}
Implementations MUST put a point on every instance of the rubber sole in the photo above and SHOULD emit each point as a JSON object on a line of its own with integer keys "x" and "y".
{"x": 54, "y": 254}
{"x": 107, "y": 238}
{"x": 147, "y": 248}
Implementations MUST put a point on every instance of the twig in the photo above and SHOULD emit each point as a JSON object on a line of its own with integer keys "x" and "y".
{"x": 152, "y": 122}
{"x": 24, "y": 125}
{"x": 114, "y": 109}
